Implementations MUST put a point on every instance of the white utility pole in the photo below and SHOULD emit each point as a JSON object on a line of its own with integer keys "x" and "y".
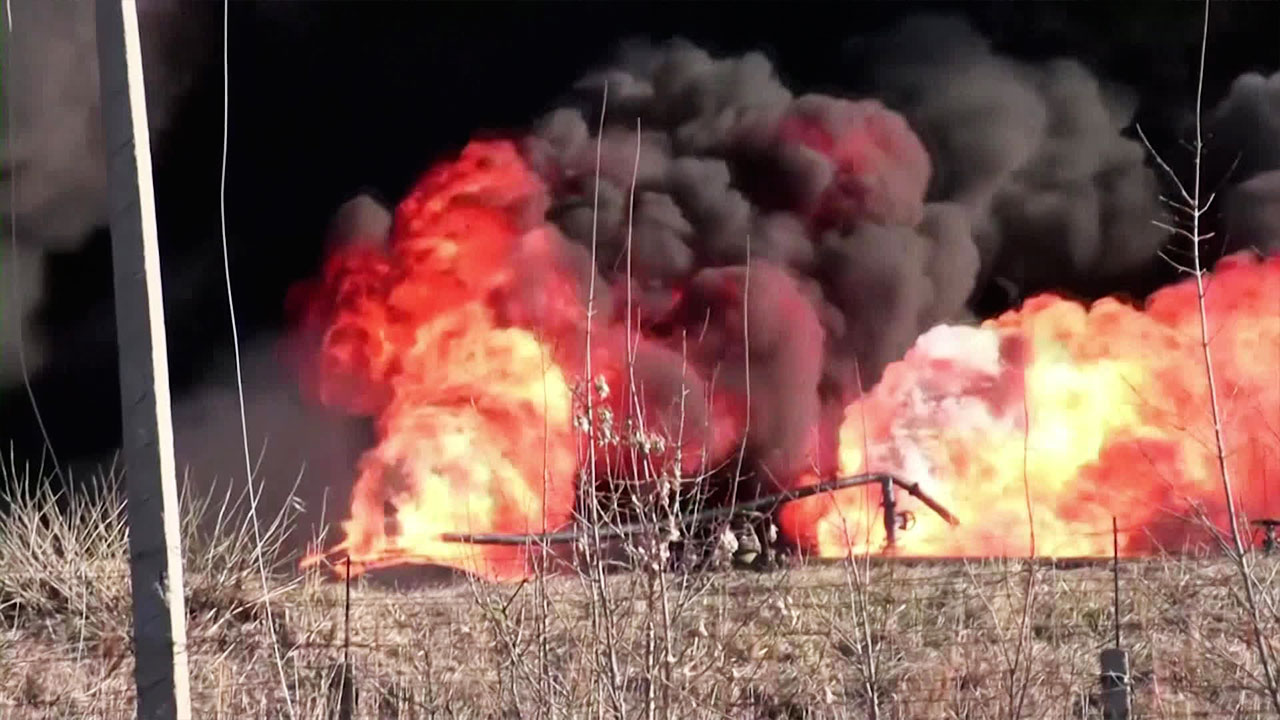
{"x": 155, "y": 548}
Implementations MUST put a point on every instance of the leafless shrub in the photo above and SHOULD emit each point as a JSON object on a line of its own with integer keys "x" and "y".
{"x": 1254, "y": 597}
{"x": 790, "y": 643}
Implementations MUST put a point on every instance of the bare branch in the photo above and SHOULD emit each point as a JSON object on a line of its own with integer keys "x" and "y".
{"x": 1165, "y": 166}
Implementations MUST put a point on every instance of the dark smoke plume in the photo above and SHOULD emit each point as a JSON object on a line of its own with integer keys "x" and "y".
{"x": 823, "y": 197}
{"x": 1034, "y": 152}
{"x": 884, "y": 214}
{"x": 1244, "y": 139}
{"x": 52, "y": 162}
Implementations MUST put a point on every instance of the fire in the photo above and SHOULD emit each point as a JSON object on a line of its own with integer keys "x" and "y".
{"x": 464, "y": 336}
{"x": 473, "y": 418}
{"x": 475, "y": 439}
{"x": 1069, "y": 415}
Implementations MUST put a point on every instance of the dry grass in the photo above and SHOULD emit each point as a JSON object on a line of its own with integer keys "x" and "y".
{"x": 924, "y": 640}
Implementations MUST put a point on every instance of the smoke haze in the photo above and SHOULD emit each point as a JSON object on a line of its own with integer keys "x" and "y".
{"x": 52, "y": 162}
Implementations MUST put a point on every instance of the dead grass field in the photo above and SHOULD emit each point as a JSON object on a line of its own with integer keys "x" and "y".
{"x": 871, "y": 638}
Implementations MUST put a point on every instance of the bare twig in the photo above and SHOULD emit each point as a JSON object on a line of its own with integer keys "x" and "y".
{"x": 1195, "y": 208}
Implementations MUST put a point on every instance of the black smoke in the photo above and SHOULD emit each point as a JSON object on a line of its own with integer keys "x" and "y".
{"x": 806, "y": 240}
{"x": 884, "y": 213}
{"x": 1035, "y": 152}
{"x": 1244, "y": 142}
{"x": 52, "y": 162}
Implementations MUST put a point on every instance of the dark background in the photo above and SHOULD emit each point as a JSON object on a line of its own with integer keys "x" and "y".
{"x": 328, "y": 99}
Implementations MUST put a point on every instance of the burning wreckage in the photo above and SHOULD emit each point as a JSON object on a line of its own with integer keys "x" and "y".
{"x": 693, "y": 273}
{"x": 740, "y": 540}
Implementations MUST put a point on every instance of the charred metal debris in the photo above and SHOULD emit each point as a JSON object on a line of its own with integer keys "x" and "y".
{"x": 739, "y": 518}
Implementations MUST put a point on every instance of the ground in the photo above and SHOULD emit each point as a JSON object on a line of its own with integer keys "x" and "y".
{"x": 915, "y": 639}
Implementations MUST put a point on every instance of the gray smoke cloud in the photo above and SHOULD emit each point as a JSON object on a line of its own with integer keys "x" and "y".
{"x": 360, "y": 221}
{"x": 964, "y": 167}
{"x": 52, "y": 162}
{"x": 1034, "y": 152}
{"x": 302, "y": 455}
{"x": 1244, "y": 136}
{"x": 761, "y": 340}
{"x": 822, "y": 197}
{"x": 1252, "y": 216}
{"x": 733, "y": 166}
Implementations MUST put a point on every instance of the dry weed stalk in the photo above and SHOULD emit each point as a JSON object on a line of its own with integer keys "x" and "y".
{"x": 1192, "y": 207}
{"x": 787, "y": 644}
{"x": 861, "y": 646}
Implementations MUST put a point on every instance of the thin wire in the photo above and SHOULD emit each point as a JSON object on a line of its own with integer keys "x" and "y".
{"x": 235, "y": 342}
{"x": 17, "y": 282}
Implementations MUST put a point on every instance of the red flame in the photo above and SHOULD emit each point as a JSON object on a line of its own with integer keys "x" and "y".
{"x": 462, "y": 338}
{"x": 473, "y": 418}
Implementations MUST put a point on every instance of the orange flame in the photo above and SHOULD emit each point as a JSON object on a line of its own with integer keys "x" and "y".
{"x": 1069, "y": 415}
{"x": 473, "y": 419}
{"x": 461, "y": 336}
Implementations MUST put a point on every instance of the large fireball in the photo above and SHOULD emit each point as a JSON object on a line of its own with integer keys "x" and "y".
{"x": 1066, "y": 416}
{"x": 473, "y": 419}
